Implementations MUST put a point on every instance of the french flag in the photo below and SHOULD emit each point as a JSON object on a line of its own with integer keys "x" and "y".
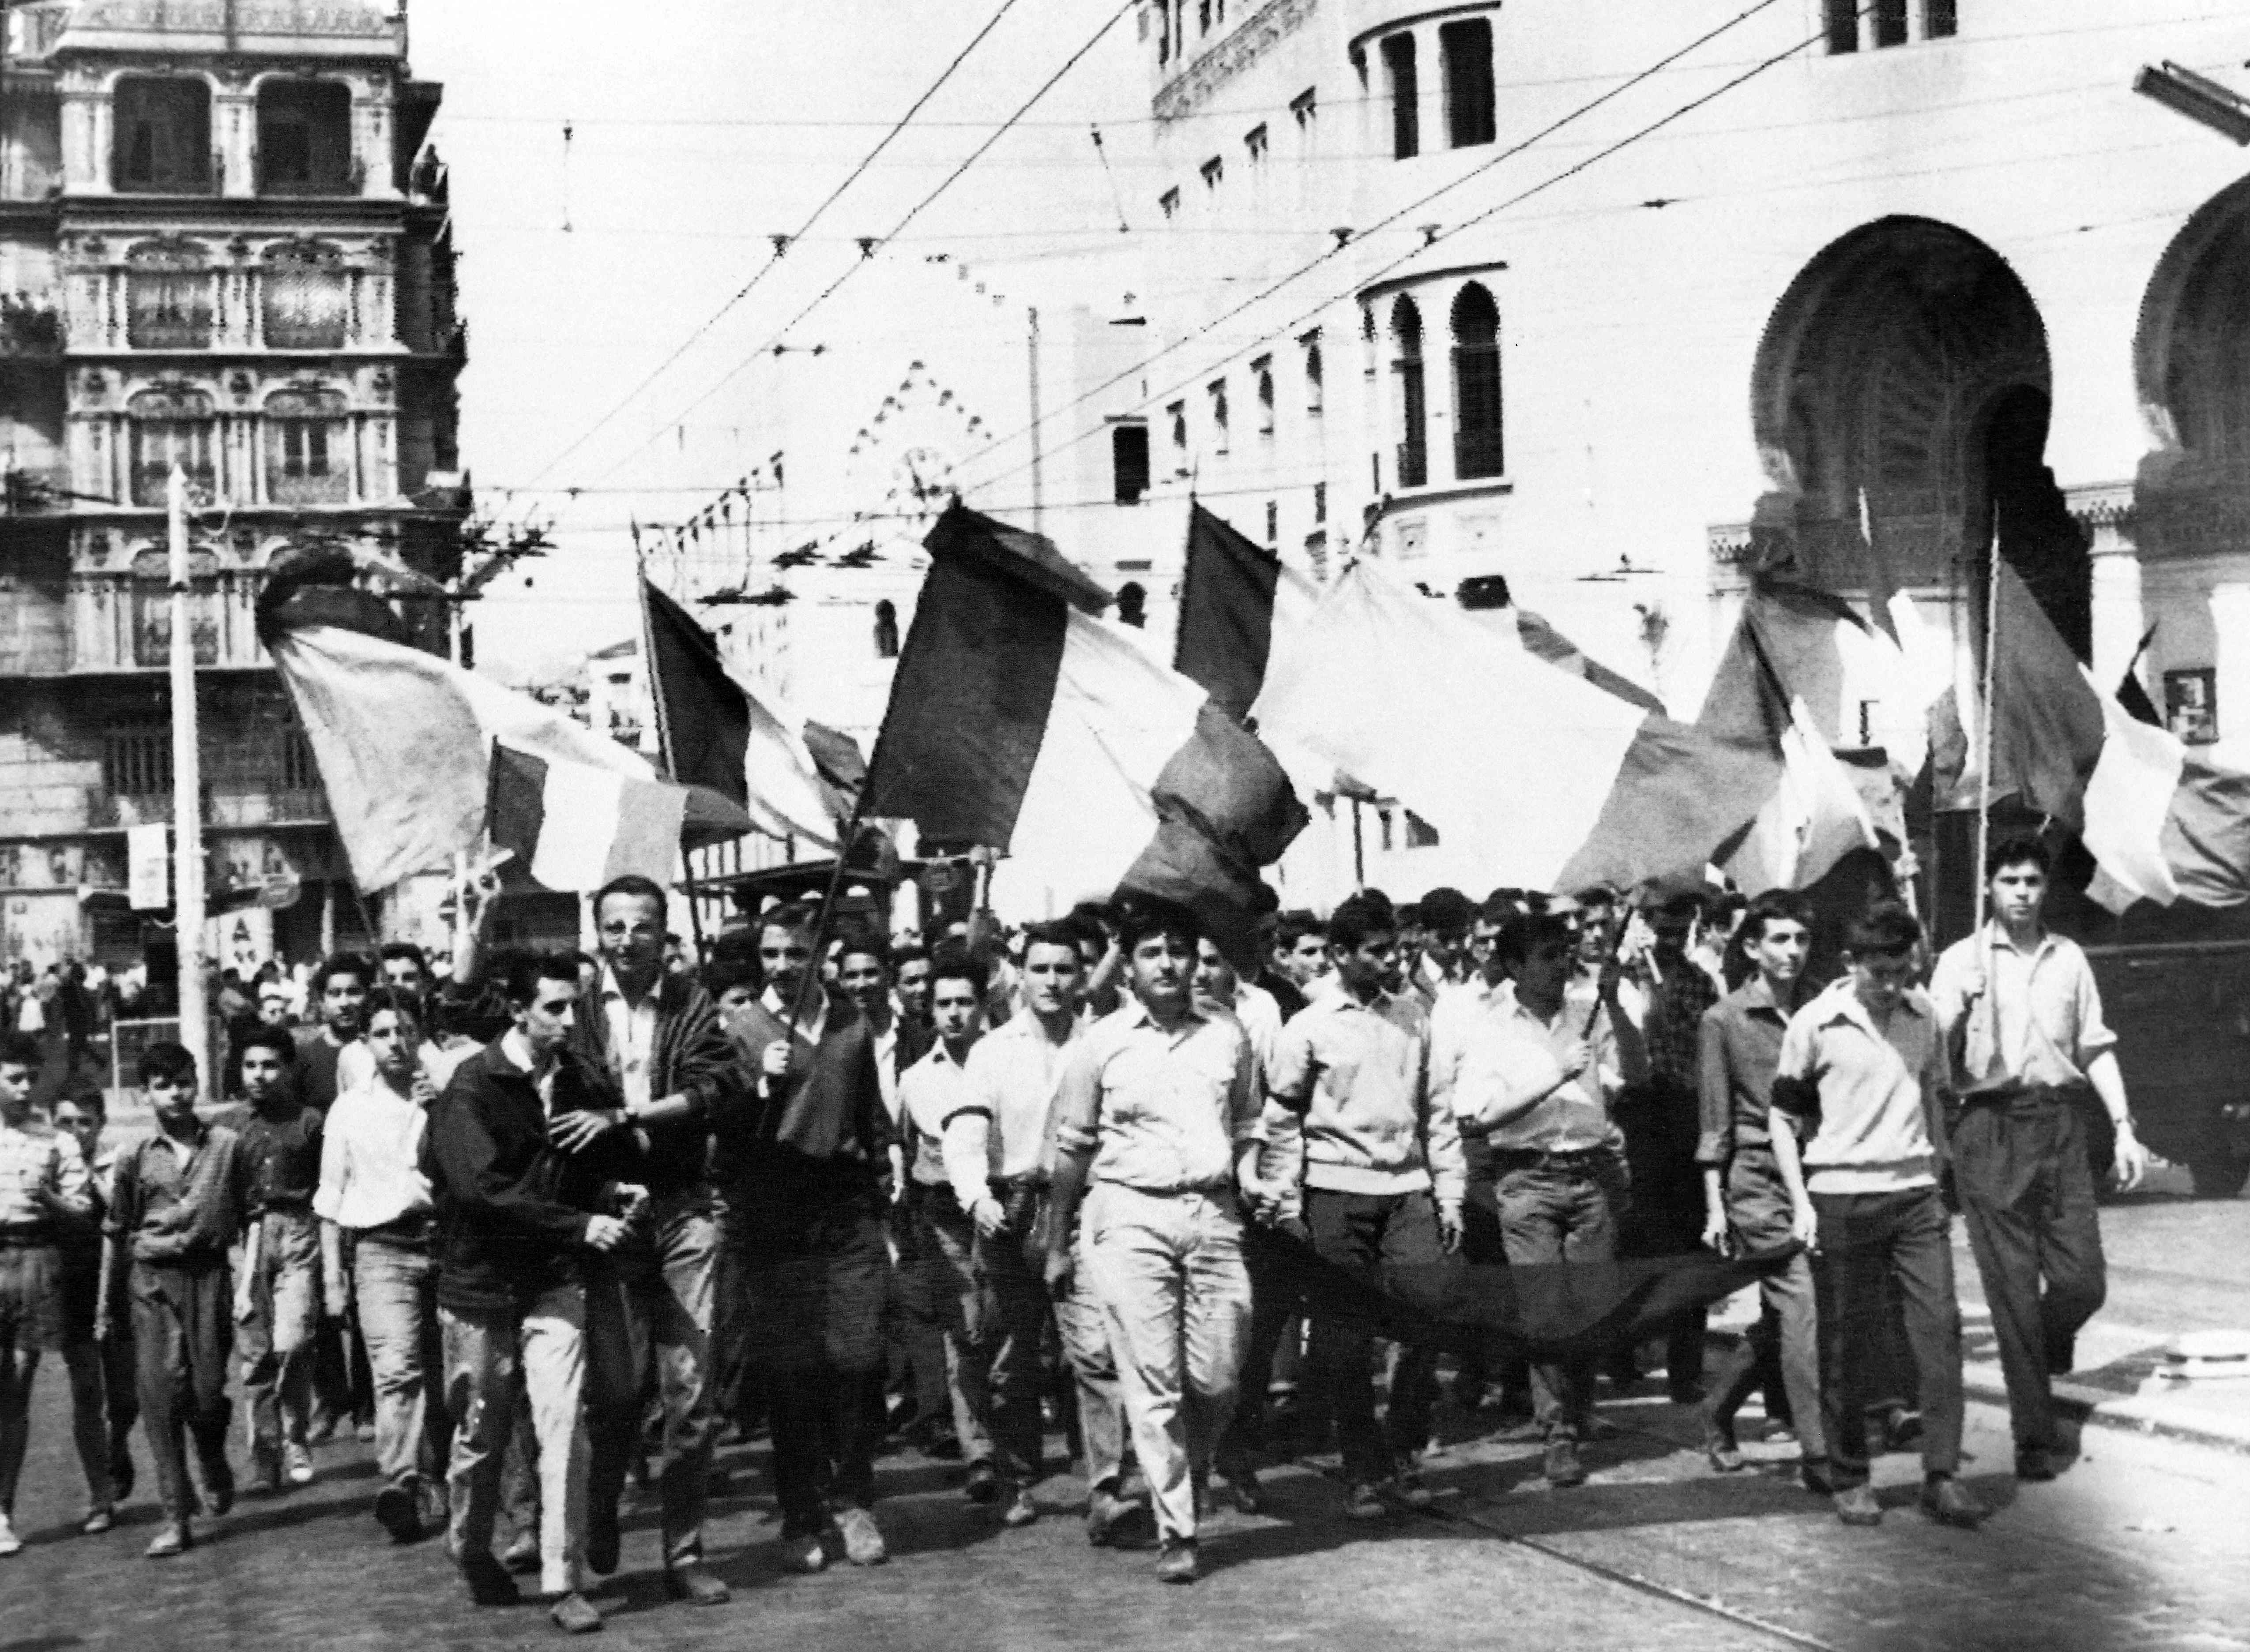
{"x": 1021, "y": 720}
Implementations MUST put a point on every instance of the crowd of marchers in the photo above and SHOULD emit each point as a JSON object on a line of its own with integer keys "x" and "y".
{"x": 548, "y": 1226}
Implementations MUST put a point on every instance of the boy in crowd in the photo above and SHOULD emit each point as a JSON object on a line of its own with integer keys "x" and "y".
{"x": 1749, "y": 1204}
{"x": 1383, "y": 1183}
{"x": 181, "y": 1199}
{"x": 104, "y": 1405}
{"x": 278, "y": 1298}
{"x": 1862, "y": 1072}
{"x": 42, "y": 1190}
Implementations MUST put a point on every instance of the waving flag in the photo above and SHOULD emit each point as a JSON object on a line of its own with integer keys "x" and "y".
{"x": 1235, "y": 597}
{"x": 1020, "y": 720}
{"x": 1532, "y": 776}
{"x": 573, "y": 826}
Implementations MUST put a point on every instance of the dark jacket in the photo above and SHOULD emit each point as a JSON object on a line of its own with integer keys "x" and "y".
{"x": 689, "y": 1057}
{"x": 824, "y": 1136}
{"x": 512, "y": 1211}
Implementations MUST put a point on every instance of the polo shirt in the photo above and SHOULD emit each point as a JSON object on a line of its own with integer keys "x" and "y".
{"x": 1871, "y": 1093}
{"x": 2044, "y": 1024}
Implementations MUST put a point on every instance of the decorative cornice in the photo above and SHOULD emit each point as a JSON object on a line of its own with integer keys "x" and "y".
{"x": 1249, "y": 40}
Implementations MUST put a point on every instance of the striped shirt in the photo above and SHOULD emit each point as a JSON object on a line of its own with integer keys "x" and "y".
{"x": 32, "y": 1157}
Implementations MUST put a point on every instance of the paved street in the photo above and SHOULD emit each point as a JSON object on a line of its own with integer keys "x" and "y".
{"x": 2144, "y": 1545}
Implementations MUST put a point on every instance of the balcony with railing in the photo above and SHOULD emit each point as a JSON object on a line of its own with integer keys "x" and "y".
{"x": 225, "y": 810}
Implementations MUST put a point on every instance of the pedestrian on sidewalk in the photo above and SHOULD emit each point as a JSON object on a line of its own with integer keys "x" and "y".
{"x": 377, "y": 1211}
{"x": 43, "y": 1191}
{"x": 1158, "y": 1113}
{"x": 1750, "y": 1204}
{"x": 516, "y": 1221}
{"x": 798, "y": 1157}
{"x": 104, "y": 1402}
{"x": 2021, "y": 1017}
{"x": 183, "y": 1195}
{"x": 279, "y": 1294}
{"x": 1861, "y": 1074}
{"x": 1353, "y": 1135}
{"x": 653, "y": 1041}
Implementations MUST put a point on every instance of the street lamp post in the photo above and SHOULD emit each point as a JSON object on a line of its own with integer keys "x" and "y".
{"x": 187, "y": 794}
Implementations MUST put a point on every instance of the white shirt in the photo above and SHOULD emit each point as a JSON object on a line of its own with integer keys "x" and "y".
{"x": 816, "y": 1020}
{"x": 1015, "y": 1073}
{"x": 1261, "y": 1020}
{"x": 887, "y": 1067}
{"x": 932, "y": 1093}
{"x": 371, "y": 1159}
{"x": 517, "y": 1047}
{"x": 632, "y": 1037}
{"x": 356, "y": 1065}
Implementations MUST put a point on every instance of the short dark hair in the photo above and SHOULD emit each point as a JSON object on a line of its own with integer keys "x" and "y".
{"x": 792, "y": 916}
{"x": 20, "y": 1049}
{"x": 398, "y": 1003}
{"x": 1356, "y": 917}
{"x": 1675, "y": 909}
{"x": 2019, "y": 849}
{"x": 955, "y": 963}
{"x": 1444, "y": 909}
{"x": 353, "y": 964}
{"x": 1502, "y": 904}
{"x": 1774, "y": 906}
{"x": 634, "y": 885}
{"x": 1143, "y": 916}
{"x": 526, "y": 970}
{"x": 1293, "y": 926}
{"x": 723, "y": 974}
{"x": 165, "y": 1059}
{"x": 1062, "y": 932}
{"x": 908, "y": 952}
{"x": 859, "y": 938}
{"x": 1526, "y": 932}
{"x": 262, "y": 1037}
{"x": 85, "y": 1097}
{"x": 1884, "y": 930}
{"x": 403, "y": 949}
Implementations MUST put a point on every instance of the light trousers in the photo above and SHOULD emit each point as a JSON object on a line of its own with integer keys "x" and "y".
{"x": 487, "y": 1354}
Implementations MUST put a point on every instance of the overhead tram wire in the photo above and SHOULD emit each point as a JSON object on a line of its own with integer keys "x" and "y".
{"x": 1398, "y": 215}
{"x": 913, "y": 212}
{"x": 1410, "y": 256}
{"x": 781, "y": 246}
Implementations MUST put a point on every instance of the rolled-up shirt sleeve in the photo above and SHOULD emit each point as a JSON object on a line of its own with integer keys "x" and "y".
{"x": 2095, "y": 1037}
{"x": 1499, "y": 1072}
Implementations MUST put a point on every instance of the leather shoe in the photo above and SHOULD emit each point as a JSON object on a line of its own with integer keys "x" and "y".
{"x": 522, "y": 1555}
{"x": 489, "y": 1583}
{"x": 1945, "y": 1500}
{"x": 97, "y": 1521}
{"x": 863, "y": 1538}
{"x": 1177, "y": 1564}
{"x": 982, "y": 1484}
{"x": 1901, "y": 1430}
{"x": 575, "y": 1615}
{"x": 219, "y": 1486}
{"x": 1362, "y": 1502}
{"x": 603, "y": 1542}
{"x": 806, "y": 1553}
{"x": 1856, "y": 1505}
{"x": 1409, "y": 1490}
{"x": 1563, "y": 1466}
{"x": 693, "y": 1583}
{"x": 2035, "y": 1463}
{"x": 1112, "y": 1523}
{"x": 395, "y": 1513}
{"x": 1719, "y": 1446}
{"x": 174, "y": 1538}
{"x": 1021, "y": 1511}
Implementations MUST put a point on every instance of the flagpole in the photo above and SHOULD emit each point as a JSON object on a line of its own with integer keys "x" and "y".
{"x": 664, "y": 744}
{"x": 824, "y": 920}
{"x": 1985, "y": 694}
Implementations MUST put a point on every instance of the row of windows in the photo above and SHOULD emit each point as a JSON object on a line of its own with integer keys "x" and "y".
{"x": 138, "y": 763}
{"x": 1257, "y": 145}
{"x": 1479, "y": 450}
{"x": 1852, "y": 25}
{"x": 307, "y": 455}
{"x": 162, "y": 138}
{"x": 1174, "y": 17}
{"x": 299, "y": 308}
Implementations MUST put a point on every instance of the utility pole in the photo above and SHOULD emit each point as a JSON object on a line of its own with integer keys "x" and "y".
{"x": 1038, "y": 456}
{"x": 186, "y": 796}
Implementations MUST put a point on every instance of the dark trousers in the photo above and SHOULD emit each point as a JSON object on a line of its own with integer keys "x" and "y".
{"x": 1482, "y": 1246}
{"x": 1274, "y": 1308}
{"x": 813, "y": 1283}
{"x": 651, "y": 1308}
{"x": 2028, "y": 1193}
{"x": 1782, "y": 1350}
{"x": 1550, "y": 1215}
{"x": 1866, "y": 1238}
{"x": 1388, "y": 1240}
{"x": 182, "y": 1334}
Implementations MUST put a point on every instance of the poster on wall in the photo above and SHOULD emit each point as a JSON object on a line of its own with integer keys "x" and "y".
{"x": 148, "y": 867}
{"x": 2192, "y": 705}
{"x": 242, "y": 940}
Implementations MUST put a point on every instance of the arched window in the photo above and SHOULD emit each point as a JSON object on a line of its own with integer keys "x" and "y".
{"x": 304, "y": 137}
{"x": 887, "y": 630}
{"x": 307, "y": 448}
{"x": 1405, "y": 96}
{"x": 172, "y": 427}
{"x": 168, "y": 296}
{"x": 1413, "y": 410}
{"x": 163, "y": 135}
{"x": 305, "y": 296}
{"x": 1477, "y": 449}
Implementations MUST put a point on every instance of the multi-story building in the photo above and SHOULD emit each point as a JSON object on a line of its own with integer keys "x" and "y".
{"x": 223, "y": 246}
{"x": 1552, "y": 292}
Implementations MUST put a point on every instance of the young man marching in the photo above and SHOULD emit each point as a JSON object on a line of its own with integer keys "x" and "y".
{"x": 42, "y": 1190}
{"x": 1157, "y": 1112}
{"x": 1750, "y": 1204}
{"x": 2021, "y": 1018}
{"x": 105, "y": 1403}
{"x": 1862, "y": 1073}
{"x": 1383, "y": 1184}
{"x": 278, "y": 1296}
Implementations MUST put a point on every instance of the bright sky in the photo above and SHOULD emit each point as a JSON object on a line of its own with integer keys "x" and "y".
{"x": 699, "y": 129}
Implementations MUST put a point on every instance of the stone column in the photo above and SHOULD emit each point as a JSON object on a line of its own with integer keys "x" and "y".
{"x": 2230, "y": 623}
